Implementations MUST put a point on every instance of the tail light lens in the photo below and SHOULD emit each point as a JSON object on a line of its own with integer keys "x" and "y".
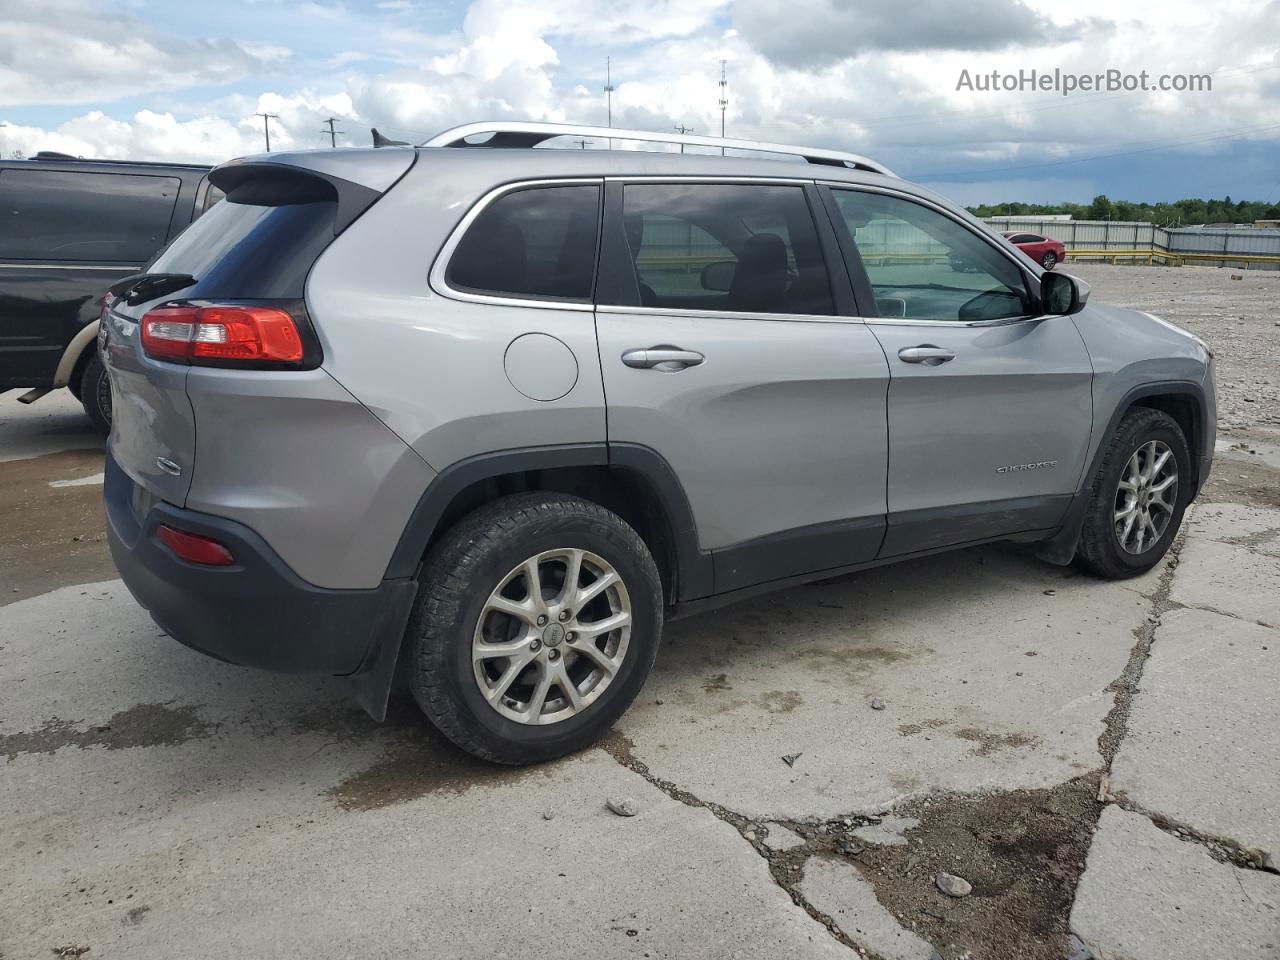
{"x": 239, "y": 335}
{"x": 194, "y": 548}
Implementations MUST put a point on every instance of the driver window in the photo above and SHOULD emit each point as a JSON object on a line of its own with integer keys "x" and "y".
{"x": 925, "y": 266}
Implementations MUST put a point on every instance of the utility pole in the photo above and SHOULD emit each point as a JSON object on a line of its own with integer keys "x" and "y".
{"x": 681, "y": 129}
{"x": 608, "y": 92}
{"x": 333, "y": 134}
{"x": 266, "y": 128}
{"x": 724, "y": 97}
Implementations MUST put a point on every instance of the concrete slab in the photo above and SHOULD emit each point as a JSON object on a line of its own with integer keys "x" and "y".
{"x": 157, "y": 803}
{"x": 1232, "y": 565}
{"x": 837, "y": 889}
{"x": 783, "y": 838}
{"x": 1239, "y": 524}
{"x": 993, "y": 668}
{"x": 888, "y": 832}
{"x": 1146, "y": 895}
{"x": 1204, "y": 731}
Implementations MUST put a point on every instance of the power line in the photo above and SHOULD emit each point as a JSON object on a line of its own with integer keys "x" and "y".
{"x": 608, "y": 93}
{"x": 333, "y": 134}
{"x": 266, "y": 128}
{"x": 724, "y": 97}
{"x": 681, "y": 129}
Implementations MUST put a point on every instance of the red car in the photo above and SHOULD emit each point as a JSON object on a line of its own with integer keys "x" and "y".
{"x": 1043, "y": 250}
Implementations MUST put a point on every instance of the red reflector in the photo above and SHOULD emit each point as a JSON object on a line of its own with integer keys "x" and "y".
{"x": 228, "y": 332}
{"x": 194, "y": 548}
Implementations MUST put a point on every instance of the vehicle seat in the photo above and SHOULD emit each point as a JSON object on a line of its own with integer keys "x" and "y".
{"x": 760, "y": 277}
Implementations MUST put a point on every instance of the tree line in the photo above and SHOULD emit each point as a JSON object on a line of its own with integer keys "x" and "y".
{"x": 1177, "y": 213}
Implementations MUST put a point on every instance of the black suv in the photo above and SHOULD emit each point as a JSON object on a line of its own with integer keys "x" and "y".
{"x": 70, "y": 228}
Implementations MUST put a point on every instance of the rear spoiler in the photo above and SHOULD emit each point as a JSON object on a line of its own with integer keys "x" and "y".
{"x": 355, "y": 179}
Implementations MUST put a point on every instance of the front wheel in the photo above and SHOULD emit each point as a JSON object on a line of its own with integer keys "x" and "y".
{"x": 1138, "y": 496}
{"x": 536, "y": 625}
{"x": 1049, "y": 260}
{"x": 95, "y": 393}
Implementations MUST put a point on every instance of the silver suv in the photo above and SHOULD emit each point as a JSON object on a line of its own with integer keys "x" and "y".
{"x": 480, "y": 416}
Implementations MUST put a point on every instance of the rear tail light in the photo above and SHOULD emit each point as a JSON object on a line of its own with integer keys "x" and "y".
{"x": 251, "y": 335}
{"x": 194, "y": 548}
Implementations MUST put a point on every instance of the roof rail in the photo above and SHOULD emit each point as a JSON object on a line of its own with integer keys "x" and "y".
{"x": 529, "y": 134}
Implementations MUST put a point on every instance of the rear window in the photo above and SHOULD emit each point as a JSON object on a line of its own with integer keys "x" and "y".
{"x": 67, "y": 215}
{"x": 255, "y": 243}
{"x": 539, "y": 242}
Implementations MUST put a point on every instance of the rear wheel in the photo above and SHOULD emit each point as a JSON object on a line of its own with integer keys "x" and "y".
{"x": 1049, "y": 260}
{"x": 95, "y": 393}
{"x": 537, "y": 622}
{"x": 1138, "y": 496}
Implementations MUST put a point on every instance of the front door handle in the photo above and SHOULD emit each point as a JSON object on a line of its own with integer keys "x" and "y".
{"x": 926, "y": 353}
{"x": 665, "y": 358}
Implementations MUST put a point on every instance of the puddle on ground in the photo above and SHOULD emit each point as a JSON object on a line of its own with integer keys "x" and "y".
{"x": 143, "y": 725}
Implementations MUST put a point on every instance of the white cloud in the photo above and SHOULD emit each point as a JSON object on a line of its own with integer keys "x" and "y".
{"x": 543, "y": 59}
{"x": 70, "y": 51}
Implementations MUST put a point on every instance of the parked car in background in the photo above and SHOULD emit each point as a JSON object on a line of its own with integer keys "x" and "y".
{"x": 482, "y": 418}
{"x": 69, "y": 228}
{"x": 1043, "y": 250}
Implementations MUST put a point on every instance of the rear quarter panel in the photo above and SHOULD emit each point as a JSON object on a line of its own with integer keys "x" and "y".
{"x": 433, "y": 368}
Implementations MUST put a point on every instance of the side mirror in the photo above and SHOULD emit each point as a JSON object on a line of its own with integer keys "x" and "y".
{"x": 1062, "y": 294}
{"x": 719, "y": 276}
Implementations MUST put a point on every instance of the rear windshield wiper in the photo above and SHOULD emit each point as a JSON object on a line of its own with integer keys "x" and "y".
{"x": 140, "y": 287}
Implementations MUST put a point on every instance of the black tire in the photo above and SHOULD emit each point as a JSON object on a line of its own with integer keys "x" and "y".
{"x": 460, "y": 573}
{"x": 95, "y": 393}
{"x": 1100, "y": 550}
{"x": 1049, "y": 260}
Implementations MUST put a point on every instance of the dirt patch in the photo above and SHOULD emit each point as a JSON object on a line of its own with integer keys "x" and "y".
{"x": 1238, "y": 481}
{"x": 780, "y": 701}
{"x": 419, "y": 761}
{"x": 1023, "y": 851}
{"x": 912, "y": 729}
{"x": 988, "y": 743}
{"x": 52, "y": 536}
{"x": 719, "y": 681}
{"x": 144, "y": 725}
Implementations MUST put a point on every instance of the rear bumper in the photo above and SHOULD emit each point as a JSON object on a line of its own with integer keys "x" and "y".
{"x": 256, "y": 612}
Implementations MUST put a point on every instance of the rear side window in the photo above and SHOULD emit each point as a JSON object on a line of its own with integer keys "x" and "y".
{"x": 749, "y": 248}
{"x": 67, "y": 215}
{"x": 258, "y": 242}
{"x": 538, "y": 242}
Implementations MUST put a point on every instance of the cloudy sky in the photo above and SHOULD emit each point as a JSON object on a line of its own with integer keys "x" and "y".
{"x": 148, "y": 79}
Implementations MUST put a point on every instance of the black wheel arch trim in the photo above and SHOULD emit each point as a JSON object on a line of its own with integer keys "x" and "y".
{"x": 693, "y": 569}
{"x": 1060, "y": 549}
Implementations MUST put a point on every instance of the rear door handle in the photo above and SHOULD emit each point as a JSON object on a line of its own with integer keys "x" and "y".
{"x": 664, "y": 358}
{"x": 926, "y": 353}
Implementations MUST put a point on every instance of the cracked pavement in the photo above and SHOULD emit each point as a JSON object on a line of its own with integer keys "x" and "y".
{"x": 156, "y": 802}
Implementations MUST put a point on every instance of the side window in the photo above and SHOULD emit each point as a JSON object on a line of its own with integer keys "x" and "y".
{"x": 211, "y": 196}
{"x": 537, "y": 242}
{"x": 750, "y": 248}
{"x": 1025, "y": 238}
{"x": 66, "y": 215}
{"x": 925, "y": 266}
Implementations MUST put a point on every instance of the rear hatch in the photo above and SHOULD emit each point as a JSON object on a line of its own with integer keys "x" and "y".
{"x": 250, "y": 252}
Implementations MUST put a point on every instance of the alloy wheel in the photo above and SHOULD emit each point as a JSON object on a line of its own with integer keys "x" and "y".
{"x": 552, "y": 636}
{"x": 1146, "y": 497}
{"x": 1049, "y": 260}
